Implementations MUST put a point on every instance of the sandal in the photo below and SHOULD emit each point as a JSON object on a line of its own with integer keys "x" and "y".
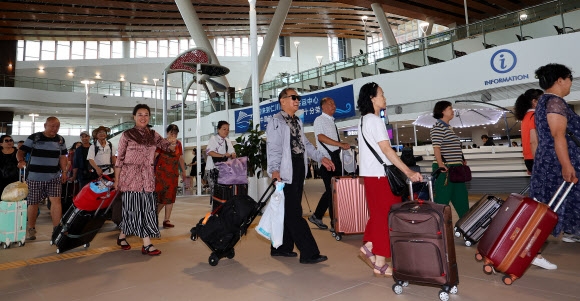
{"x": 365, "y": 255}
{"x": 382, "y": 271}
{"x": 125, "y": 247}
{"x": 145, "y": 251}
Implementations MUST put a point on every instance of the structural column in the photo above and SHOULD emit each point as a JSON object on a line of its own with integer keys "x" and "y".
{"x": 388, "y": 35}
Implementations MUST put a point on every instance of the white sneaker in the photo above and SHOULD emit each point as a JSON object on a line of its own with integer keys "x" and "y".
{"x": 570, "y": 238}
{"x": 543, "y": 263}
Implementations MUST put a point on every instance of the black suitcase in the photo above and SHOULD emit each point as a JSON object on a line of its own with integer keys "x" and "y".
{"x": 422, "y": 246}
{"x": 474, "y": 223}
{"x": 221, "y": 193}
{"x": 222, "y": 228}
{"x": 78, "y": 227}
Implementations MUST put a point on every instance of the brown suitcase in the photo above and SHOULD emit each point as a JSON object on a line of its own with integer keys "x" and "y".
{"x": 349, "y": 206}
{"x": 422, "y": 246}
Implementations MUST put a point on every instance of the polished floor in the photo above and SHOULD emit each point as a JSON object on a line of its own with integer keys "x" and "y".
{"x": 182, "y": 272}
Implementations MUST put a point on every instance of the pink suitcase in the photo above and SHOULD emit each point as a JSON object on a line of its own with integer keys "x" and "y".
{"x": 349, "y": 206}
{"x": 517, "y": 233}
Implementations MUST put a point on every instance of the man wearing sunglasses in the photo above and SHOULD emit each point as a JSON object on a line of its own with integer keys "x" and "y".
{"x": 288, "y": 151}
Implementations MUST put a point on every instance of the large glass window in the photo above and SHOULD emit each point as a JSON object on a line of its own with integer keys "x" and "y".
{"x": 152, "y": 49}
{"x": 117, "y": 51}
{"x": 48, "y": 51}
{"x": 63, "y": 50}
{"x": 77, "y": 50}
{"x": 282, "y": 46}
{"x": 104, "y": 49}
{"x": 91, "y": 50}
{"x": 32, "y": 51}
{"x": 140, "y": 49}
{"x": 20, "y": 50}
{"x": 183, "y": 45}
{"x": 163, "y": 48}
{"x": 336, "y": 48}
{"x": 173, "y": 48}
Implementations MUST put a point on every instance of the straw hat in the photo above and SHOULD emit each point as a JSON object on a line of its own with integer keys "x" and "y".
{"x": 101, "y": 128}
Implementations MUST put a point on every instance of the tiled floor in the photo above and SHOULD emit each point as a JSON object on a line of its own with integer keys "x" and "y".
{"x": 182, "y": 272}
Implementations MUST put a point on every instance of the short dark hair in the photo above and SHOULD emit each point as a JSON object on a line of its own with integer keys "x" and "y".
{"x": 550, "y": 73}
{"x": 172, "y": 128}
{"x": 484, "y": 136}
{"x": 284, "y": 92}
{"x": 222, "y": 123}
{"x": 364, "y": 103}
{"x": 4, "y": 136}
{"x": 141, "y": 106}
{"x": 439, "y": 107}
{"x": 524, "y": 102}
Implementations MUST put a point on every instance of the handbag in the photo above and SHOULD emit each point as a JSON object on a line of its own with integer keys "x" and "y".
{"x": 397, "y": 179}
{"x": 271, "y": 225}
{"x": 234, "y": 171}
{"x": 459, "y": 174}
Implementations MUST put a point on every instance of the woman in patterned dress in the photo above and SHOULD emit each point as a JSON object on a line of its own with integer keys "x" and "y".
{"x": 135, "y": 178}
{"x": 557, "y": 157}
{"x": 167, "y": 175}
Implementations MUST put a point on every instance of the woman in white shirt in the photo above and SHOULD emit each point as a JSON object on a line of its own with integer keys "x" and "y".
{"x": 219, "y": 147}
{"x": 376, "y": 243}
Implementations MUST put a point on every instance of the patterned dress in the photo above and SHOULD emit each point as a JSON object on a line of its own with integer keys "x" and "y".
{"x": 547, "y": 172}
{"x": 167, "y": 175}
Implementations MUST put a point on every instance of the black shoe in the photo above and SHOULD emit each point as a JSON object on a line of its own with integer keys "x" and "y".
{"x": 283, "y": 254}
{"x": 318, "y": 222}
{"x": 314, "y": 259}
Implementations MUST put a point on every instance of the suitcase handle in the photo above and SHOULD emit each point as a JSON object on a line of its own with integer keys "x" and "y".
{"x": 429, "y": 181}
{"x": 562, "y": 198}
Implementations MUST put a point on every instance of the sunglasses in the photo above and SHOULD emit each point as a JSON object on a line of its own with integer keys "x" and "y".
{"x": 294, "y": 97}
{"x": 8, "y": 140}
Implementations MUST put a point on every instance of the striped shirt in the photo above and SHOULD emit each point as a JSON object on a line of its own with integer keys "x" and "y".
{"x": 443, "y": 136}
{"x": 45, "y": 156}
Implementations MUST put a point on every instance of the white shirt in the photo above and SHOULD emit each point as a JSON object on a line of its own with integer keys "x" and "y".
{"x": 218, "y": 145}
{"x": 324, "y": 124}
{"x": 374, "y": 131}
{"x": 103, "y": 156}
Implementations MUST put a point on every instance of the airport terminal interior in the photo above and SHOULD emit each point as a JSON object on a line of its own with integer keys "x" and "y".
{"x": 195, "y": 63}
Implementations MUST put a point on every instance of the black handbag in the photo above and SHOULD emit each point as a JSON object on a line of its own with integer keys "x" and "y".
{"x": 397, "y": 179}
{"x": 459, "y": 174}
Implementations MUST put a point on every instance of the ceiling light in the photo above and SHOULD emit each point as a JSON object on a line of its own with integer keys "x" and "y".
{"x": 41, "y": 68}
{"x": 523, "y": 17}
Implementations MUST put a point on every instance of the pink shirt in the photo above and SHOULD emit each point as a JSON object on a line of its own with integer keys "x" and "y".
{"x": 136, "y": 163}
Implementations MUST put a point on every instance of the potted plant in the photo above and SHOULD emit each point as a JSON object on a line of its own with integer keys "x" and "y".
{"x": 251, "y": 145}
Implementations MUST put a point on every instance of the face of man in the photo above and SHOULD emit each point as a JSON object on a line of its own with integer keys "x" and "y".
{"x": 329, "y": 107}
{"x": 51, "y": 127}
{"x": 290, "y": 103}
{"x": 85, "y": 139}
{"x": 102, "y": 135}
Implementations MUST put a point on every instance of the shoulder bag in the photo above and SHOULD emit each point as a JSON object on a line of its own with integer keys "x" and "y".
{"x": 397, "y": 179}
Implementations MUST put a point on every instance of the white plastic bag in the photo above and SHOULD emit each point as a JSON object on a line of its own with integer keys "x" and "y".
{"x": 271, "y": 225}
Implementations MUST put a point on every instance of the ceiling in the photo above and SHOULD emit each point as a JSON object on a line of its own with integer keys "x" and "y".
{"x": 138, "y": 19}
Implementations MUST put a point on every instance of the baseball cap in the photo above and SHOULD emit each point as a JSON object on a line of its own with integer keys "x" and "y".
{"x": 85, "y": 133}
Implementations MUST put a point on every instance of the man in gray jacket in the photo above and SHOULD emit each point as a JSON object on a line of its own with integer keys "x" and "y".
{"x": 287, "y": 149}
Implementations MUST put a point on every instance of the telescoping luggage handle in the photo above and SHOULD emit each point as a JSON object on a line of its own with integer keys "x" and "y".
{"x": 352, "y": 147}
{"x": 426, "y": 178}
{"x": 562, "y": 198}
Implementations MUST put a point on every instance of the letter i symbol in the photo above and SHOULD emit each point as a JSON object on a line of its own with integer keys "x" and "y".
{"x": 502, "y": 60}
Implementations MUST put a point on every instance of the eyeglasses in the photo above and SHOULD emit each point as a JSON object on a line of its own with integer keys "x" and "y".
{"x": 8, "y": 140}
{"x": 294, "y": 97}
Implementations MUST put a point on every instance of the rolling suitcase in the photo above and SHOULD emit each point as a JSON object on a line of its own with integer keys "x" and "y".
{"x": 422, "y": 245}
{"x": 223, "y": 227}
{"x": 78, "y": 226}
{"x": 222, "y": 193}
{"x": 13, "y": 216}
{"x": 517, "y": 233}
{"x": 349, "y": 205}
{"x": 474, "y": 223}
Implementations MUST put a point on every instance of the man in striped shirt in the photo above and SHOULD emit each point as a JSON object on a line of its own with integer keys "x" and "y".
{"x": 47, "y": 159}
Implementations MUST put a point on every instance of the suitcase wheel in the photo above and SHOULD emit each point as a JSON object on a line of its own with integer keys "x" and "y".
{"x": 213, "y": 260}
{"x": 333, "y": 233}
{"x": 405, "y": 283}
{"x": 51, "y": 242}
{"x": 488, "y": 269}
{"x": 338, "y": 237}
{"x": 468, "y": 243}
{"x": 20, "y": 244}
{"x": 457, "y": 233}
{"x": 5, "y": 246}
{"x": 453, "y": 290}
{"x": 507, "y": 280}
{"x": 397, "y": 288}
{"x": 443, "y": 295}
{"x": 478, "y": 257}
{"x": 57, "y": 251}
{"x": 231, "y": 254}
{"x": 87, "y": 245}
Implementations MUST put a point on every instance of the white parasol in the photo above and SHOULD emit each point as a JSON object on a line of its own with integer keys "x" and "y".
{"x": 464, "y": 118}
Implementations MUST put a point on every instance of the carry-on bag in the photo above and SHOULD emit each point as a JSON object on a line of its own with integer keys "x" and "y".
{"x": 13, "y": 216}
{"x": 474, "y": 223}
{"x": 222, "y": 193}
{"x": 422, "y": 245}
{"x": 78, "y": 226}
{"x": 222, "y": 228}
{"x": 517, "y": 233}
{"x": 349, "y": 205}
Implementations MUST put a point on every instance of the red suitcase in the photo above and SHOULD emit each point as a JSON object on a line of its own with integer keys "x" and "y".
{"x": 349, "y": 205}
{"x": 517, "y": 233}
